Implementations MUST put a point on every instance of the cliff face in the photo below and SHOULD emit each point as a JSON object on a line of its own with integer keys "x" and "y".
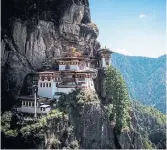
{"x": 35, "y": 30}
{"x": 92, "y": 128}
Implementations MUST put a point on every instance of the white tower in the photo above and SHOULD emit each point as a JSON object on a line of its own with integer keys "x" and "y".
{"x": 105, "y": 55}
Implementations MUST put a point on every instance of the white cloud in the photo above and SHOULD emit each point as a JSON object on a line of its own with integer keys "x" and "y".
{"x": 121, "y": 51}
{"x": 142, "y": 15}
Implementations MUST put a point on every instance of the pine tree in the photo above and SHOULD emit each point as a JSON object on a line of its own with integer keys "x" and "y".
{"x": 117, "y": 95}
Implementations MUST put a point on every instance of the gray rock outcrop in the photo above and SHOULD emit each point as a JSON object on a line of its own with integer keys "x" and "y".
{"x": 92, "y": 128}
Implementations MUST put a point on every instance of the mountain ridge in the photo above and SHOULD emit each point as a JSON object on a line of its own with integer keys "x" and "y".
{"x": 162, "y": 55}
{"x": 144, "y": 76}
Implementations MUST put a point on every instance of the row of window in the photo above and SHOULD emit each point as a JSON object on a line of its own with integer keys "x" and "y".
{"x": 31, "y": 104}
{"x": 42, "y": 109}
{"x": 76, "y": 76}
{"x": 45, "y": 84}
{"x": 68, "y": 63}
{"x": 28, "y": 103}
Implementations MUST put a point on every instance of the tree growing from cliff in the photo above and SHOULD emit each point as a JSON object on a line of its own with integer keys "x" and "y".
{"x": 117, "y": 95}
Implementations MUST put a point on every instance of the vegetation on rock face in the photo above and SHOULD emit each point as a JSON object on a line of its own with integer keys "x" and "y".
{"x": 160, "y": 117}
{"x": 76, "y": 99}
{"x": 74, "y": 145}
{"x": 152, "y": 125}
{"x": 32, "y": 133}
{"x": 147, "y": 144}
{"x": 117, "y": 98}
{"x": 120, "y": 109}
{"x": 29, "y": 127}
{"x": 93, "y": 25}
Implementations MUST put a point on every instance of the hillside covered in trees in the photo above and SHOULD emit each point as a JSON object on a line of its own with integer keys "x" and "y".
{"x": 145, "y": 78}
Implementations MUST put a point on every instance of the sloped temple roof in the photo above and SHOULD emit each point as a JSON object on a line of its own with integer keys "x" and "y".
{"x": 73, "y": 54}
{"x": 105, "y": 50}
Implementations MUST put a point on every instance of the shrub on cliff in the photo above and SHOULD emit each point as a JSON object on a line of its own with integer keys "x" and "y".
{"x": 76, "y": 99}
{"x": 147, "y": 144}
{"x": 32, "y": 134}
{"x": 74, "y": 145}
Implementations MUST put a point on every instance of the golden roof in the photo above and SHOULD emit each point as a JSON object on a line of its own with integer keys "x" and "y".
{"x": 73, "y": 54}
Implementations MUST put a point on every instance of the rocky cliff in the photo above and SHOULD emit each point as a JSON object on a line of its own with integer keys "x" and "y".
{"x": 33, "y": 31}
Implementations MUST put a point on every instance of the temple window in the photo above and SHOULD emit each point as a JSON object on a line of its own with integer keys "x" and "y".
{"x": 40, "y": 84}
{"x": 46, "y": 84}
{"x": 26, "y": 104}
{"x": 48, "y": 78}
{"x": 49, "y": 84}
{"x": 32, "y": 103}
{"x": 73, "y": 76}
{"x": 43, "y": 84}
{"x": 29, "y": 104}
{"x": 42, "y": 78}
{"x": 67, "y": 67}
{"x": 42, "y": 109}
{"x": 80, "y": 83}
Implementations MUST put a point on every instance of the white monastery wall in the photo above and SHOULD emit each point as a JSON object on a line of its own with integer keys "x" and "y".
{"x": 28, "y": 109}
{"x": 65, "y": 90}
{"x": 47, "y": 109}
{"x": 31, "y": 109}
{"x": 48, "y": 88}
{"x": 72, "y": 67}
{"x": 103, "y": 62}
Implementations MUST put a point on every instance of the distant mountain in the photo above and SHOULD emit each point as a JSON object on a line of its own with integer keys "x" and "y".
{"x": 145, "y": 78}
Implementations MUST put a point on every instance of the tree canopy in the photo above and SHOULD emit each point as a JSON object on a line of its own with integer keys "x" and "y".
{"x": 117, "y": 95}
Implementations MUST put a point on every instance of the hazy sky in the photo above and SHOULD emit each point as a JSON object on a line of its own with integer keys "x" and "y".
{"x": 132, "y": 27}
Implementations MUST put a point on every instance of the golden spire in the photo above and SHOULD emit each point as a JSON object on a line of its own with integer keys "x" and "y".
{"x": 72, "y": 49}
